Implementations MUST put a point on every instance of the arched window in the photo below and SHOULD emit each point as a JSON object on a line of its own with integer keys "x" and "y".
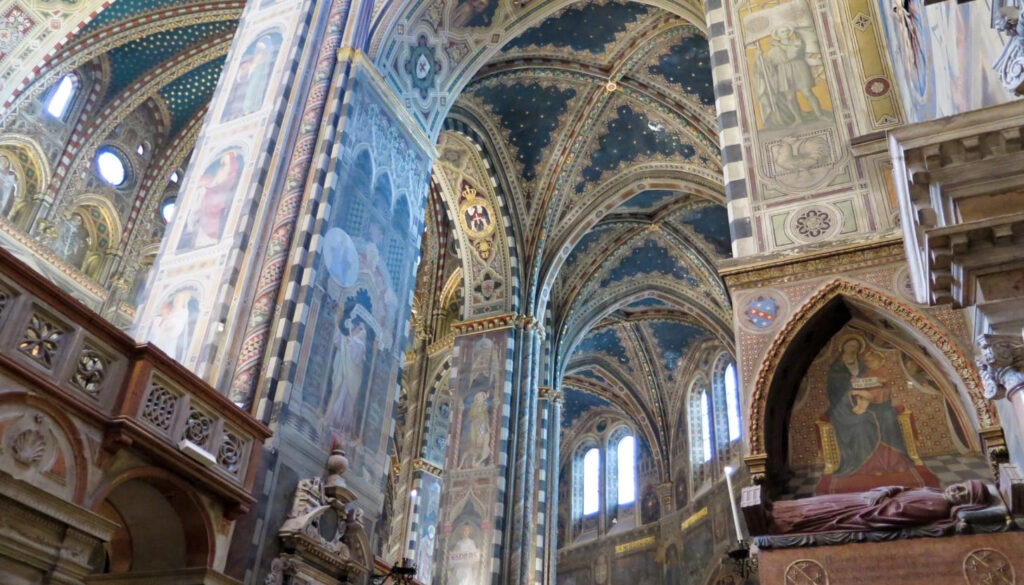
{"x": 62, "y": 96}
{"x": 625, "y": 454}
{"x": 732, "y": 400}
{"x": 167, "y": 208}
{"x": 702, "y": 446}
{"x": 705, "y": 427}
{"x": 591, "y": 481}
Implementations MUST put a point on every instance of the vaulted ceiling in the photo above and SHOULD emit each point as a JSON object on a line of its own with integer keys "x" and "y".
{"x": 172, "y": 50}
{"x": 599, "y": 124}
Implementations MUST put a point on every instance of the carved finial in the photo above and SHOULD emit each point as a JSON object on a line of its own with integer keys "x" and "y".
{"x": 337, "y": 464}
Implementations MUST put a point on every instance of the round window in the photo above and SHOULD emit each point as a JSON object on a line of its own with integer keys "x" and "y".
{"x": 111, "y": 167}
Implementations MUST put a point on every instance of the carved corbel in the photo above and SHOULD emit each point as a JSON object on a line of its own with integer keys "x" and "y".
{"x": 1010, "y": 65}
{"x": 1001, "y": 365}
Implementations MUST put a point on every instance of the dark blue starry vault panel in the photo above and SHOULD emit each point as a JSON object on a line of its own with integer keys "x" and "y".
{"x": 126, "y": 9}
{"x": 577, "y": 403}
{"x": 530, "y": 113}
{"x": 590, "y": 27}
{"x": 131, "y": 60}
{"x": 712, "y": 223}
{"x": 186, "y": 94}
{"x": 687, "y": 65}
{"x": 586, "y": 242}
{"x": 648, "y": 303}
{"x": 605, "y": 341}
{"x": 648, "y": 200}
{"x": 648, "y": 258}
{"x": 673, "y": 338}
{"x": 628, "y": 138}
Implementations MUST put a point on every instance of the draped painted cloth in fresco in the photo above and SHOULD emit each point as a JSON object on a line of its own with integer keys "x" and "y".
{"x": 869, "y": 435}
{"x": 884, "y": 508}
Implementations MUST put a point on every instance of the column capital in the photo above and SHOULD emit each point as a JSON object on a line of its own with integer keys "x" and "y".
{"x": 1001, "y": 364}
{"x": 420, "y": 464}
{"x": 550, "y": 394}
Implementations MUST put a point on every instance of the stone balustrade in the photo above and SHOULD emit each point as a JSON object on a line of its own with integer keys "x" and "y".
{"x": 137, "y": 396}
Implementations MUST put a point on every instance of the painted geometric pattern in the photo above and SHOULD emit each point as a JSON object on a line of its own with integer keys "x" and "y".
{"x": 185, "y": 95}
{"x": 15, "y": 26}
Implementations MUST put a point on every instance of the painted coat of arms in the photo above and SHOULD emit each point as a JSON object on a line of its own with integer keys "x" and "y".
{"x": 761, "y": 312}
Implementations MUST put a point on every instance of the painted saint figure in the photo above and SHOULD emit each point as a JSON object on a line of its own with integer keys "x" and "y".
{"x": 347, "y": 368}
{"x": 253, "y": 77}
{"x": 872, "y": 448}
{"x": 217, "y": 185}
{"x": 464, "y": 558}
{"x": 473, "y": 13}
{"x": 8, "y": 185}
{"x": 477, "y": 445}
{"x": 786, "y": 75}
{"x": 172, "y": 329}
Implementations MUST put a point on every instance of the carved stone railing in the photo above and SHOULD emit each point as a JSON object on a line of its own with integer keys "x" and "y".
{"x": 138, "y": 397}
{"x": 961, "y": 194}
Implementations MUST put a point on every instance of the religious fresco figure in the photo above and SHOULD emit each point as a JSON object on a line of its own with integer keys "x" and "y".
{"x": 217, "y": 185}
{"x": 464, "y": 558}
{"x": 784, "y": 75}
{"x": 72, "y": 242}
{"x": 347, "y": 372}
{"x": 475, "y": 422}
{"x": 8, "y": 185}
{"x": 882, "y": 508}
{"x": 175, "y": 323}
{"x": 473, "y": 13}
{"x": 476, "y": 449}
{"x": 253, "y": 77}
{"x": 871, "y": 444}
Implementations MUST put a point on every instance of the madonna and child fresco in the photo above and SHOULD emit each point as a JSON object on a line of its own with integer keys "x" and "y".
{"x": 867, "y": 414}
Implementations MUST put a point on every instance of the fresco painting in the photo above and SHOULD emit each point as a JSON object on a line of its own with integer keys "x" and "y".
{"x": 943, "y": 56}
{"x": 217, "y": 187}
{"x": 472, "y": 13}
{"x": 465, "y": 556}
{"x": 480, "y": 394}
{"x": 175, "y": 321}
{"x": 785, "y": 63}
{"x": 426, "y": 541}
{"x": 883, "y": 411}
{"x": 363, "y": 276}
{"x": 252, "y": 78}
{"x": 638, "y": 568}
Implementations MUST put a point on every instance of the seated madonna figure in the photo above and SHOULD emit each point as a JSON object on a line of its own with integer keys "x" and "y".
{"x": 935, "y": 511}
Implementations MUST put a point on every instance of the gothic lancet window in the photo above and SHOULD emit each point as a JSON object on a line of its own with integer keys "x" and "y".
{"x": 62, "y": 96}
{"x": 591, "y": 481}
{"x": 625, "y": 454}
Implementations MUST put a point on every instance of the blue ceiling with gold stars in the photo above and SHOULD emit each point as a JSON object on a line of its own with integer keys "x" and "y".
{"x": 589, "y": 26}
{"x": 637, "y": 294}
{"x": 124, "y": 9}
{"x": 687, "y": 65}
{"x": 190, "y": 92}
{"x": 132, "y": 60}
{"x": 530, "y": 112}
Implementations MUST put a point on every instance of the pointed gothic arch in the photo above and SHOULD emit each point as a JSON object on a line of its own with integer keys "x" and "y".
{"x": 794, "y": 347}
